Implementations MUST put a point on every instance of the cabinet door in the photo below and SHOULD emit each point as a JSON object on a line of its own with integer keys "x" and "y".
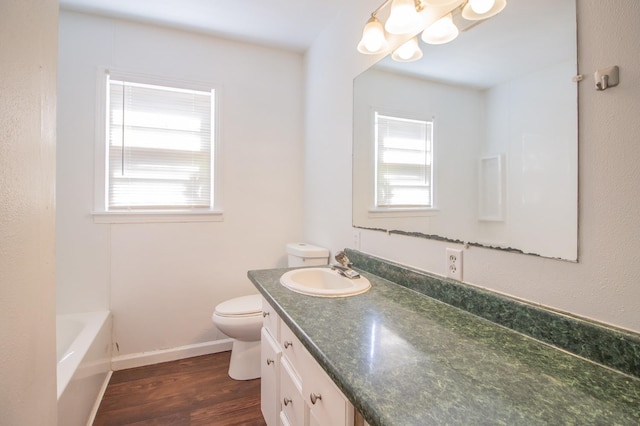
{"x": 314, "y": 421}
{"x": 270, "y": 319}
{"x": 270, "y": 381}
{"x": 327, "y": 405}
{"x": 283, "y": 420}
{"x": 292, "y": 348}
{"x": 291, "y": 394}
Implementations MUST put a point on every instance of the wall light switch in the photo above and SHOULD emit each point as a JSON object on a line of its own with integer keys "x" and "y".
{"x": 454, "y": 264}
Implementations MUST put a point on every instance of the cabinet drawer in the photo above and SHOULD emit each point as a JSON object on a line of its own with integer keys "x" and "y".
{"x": 291, "y": 394}
{"x": 328, "y": 406}
{"x": 292, "y": 348}
{"x": 270, "y": 319}
{"x": 270, "y": 354}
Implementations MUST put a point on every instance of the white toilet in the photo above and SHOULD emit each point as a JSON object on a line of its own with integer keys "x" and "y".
{"x": 302, "y": 254}
{"x": 241, "y": 318}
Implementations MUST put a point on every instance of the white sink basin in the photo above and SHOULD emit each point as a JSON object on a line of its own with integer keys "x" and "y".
{"x": 323, "y": 282}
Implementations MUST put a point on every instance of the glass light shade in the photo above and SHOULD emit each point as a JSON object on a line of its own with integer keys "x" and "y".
{"x": 403, "y": 18}
{"x": 373, "y": 40}
{"x": 481, "y": 6}
{"x": 408, "y": 52}
{"x": 440, "y": 32}
{"x": 469, "y": 13}
{"x": 438, "y": 2}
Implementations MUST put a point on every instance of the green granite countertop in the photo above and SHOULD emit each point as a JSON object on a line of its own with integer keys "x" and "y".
{"x": 403, "y": 358}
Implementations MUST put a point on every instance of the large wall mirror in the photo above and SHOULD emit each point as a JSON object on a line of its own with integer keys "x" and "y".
{"x": 496, "y": 111}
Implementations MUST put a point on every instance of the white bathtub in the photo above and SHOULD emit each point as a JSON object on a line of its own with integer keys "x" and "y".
{"x": 84, "y": 364}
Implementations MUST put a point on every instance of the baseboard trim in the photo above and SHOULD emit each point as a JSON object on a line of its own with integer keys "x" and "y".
{"x": 164, "y": 355}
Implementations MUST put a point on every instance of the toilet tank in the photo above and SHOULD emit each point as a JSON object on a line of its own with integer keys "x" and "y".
{"x": 302, "y": 254}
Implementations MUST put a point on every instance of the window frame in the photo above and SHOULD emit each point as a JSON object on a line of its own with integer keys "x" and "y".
{"x": 100, "y": 213}
{"x": 376, "y": 211}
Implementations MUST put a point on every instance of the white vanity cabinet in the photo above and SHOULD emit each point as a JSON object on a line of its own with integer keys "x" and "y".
{"x": 301, "y": 394}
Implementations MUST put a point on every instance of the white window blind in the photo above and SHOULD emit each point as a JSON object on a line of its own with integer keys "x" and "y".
{"x": 404, "y": 157}
{"x": 159, "y": 154}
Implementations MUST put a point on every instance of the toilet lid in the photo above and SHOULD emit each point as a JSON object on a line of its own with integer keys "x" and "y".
{"x": 245, "y": 305}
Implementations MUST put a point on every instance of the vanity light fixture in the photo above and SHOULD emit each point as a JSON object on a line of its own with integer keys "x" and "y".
{"x": 403, "y": 18}
{"x": 475, "y": 10}
{"x": 406, "y": 20}
{"x": 442, "y": 31}
{"x": 481, "y": 6}
{"x": 373, "y": 39}
{"x": 409, "y": 51}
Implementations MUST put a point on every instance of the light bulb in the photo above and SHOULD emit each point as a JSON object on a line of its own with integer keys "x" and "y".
{"x": 440, "y": 32}
{"x": 481, "y": 6}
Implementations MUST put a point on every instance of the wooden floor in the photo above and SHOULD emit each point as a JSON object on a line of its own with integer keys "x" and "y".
{"x": 193, "y": 391}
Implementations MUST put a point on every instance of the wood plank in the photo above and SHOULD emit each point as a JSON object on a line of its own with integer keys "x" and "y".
{"x": 192, "y": 391}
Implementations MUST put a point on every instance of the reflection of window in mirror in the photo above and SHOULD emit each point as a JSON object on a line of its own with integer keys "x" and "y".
{"x": 404, "y": 162}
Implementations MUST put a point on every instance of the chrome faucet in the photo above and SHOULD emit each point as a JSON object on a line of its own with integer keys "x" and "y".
{"x": 344, "y": 268}
{"x": 342, "y": 259}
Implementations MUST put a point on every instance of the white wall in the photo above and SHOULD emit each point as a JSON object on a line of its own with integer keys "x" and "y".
{"x": 28, "y": 34}
{"x": 603, "y": 285}
{"x": 531, "y": 121}
{"x": 162, "y": 281}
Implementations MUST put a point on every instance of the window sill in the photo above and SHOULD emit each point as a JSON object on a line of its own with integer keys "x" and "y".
{"x": 402, "y": 212}
{"x": 157, "y": 216}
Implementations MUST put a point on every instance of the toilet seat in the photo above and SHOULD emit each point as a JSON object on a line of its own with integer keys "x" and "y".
{"x": 245, "y": 306}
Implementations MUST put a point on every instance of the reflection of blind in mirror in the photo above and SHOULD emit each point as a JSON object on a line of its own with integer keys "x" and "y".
{"x": 404, "y": 157}
{"x": 490, "y": 182}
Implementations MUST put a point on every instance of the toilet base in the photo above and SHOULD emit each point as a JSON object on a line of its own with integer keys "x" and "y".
{"x": 245, "y": 360}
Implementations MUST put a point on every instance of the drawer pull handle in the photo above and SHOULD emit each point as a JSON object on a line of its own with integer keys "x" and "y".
{"x": 270, "y": 361}
{"x": 315, "y": 397}
{"x": 287, "y": 401}
{"x": 265, "y": 314}
{"x": 287, "y": 344}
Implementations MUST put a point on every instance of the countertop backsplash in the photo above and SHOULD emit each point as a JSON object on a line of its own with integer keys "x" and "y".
{"x": 606, "y": 345}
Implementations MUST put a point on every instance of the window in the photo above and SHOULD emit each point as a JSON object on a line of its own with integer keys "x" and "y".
{"x": 404, "y": 158}
{"x": 160, "y": 147}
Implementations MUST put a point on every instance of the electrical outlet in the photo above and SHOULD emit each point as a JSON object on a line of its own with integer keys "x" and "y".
{"x": 356, "y": 240}
{"x": 454, "y": 264}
